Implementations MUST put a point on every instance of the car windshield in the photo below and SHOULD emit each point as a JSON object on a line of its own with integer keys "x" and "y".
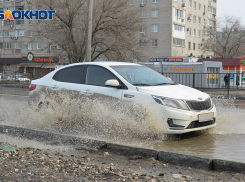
{"x": 141, "y": 76}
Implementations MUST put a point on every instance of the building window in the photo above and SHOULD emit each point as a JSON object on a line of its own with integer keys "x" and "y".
{"x": 155, "y": 13}
{"x": 199, "y": 46}
{"x": 194, "y": 19}
{"x": 20, "y": 22}
{"x": 154, "y": 43}
{"x": 130, "y": 2}
{"x": 195, "y": 5}
{"x": 29, "y": 46}
{"x": 142, "y": 43}
{"x": 194, "y": 32}
{"x": 214, "y": 11}
{"x": 39, "y": 45}
{"x": 189, "y": 31}
{"x": 154, "y": 28}
{"x": 179, "y": 28}
{"x": 209, "y": 34}
{"x": 9, "y": 8}
{"x": 194, "y": 46}
{"x": 178, "y": 42}
{"x": 142, "y": 1}
{"x": 58, "y": 47}
{"x": 9, "y": 45}
{"x": 200, "y": 7}
{"x": 179, "y": 13}
{"x": 204, "y": 8}
{"x": 213, "y": 23}
{"x": 189, "y": 17}
{"x": 155, "y": 1}
{"x": 19, "y": 33}
{"x": 8, "y": 22}
{"x": 1, "y": 45}
{"x": 199, "y": 20}
{"x": 209, "y": 22}
{"x": 18, "y": 45}
{"x": 142, "y": 14}
{"x": 189, "y": 45}
{"x": 1, "y": 34}
{"x": 199, "y": 33}
{"x": 209, "y": 9}
{"x": 30, "y": 22}
{"x": 190, "y": 3}
{"x": 30, "y": 34}
{"x": 9, "y": 34}
{"x": 204, "y": 22}
{"x": 142, "y": 29}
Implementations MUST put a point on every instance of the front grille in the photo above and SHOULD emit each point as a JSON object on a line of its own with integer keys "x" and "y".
{"x": 199, "y": 106}
{"x": 197, "y": 124}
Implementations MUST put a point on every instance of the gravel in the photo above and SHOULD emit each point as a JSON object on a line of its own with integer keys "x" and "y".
{"x": 33, "y": 164}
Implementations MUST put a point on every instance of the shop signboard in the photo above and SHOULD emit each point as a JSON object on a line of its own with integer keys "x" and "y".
{"x": 159, "y": 59}
{"x": 182, "y": 69}
{"x": 167, "y": 60}
{"x": 243, "y": 77}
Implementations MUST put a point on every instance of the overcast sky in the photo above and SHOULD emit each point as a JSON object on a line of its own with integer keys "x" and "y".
{"x": 231, "y": 7}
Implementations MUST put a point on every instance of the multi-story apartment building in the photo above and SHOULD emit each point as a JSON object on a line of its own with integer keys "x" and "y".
{"x": 175, "y": 28}
{"x": 169, "y": 28}
{"x": 20, "y": 37}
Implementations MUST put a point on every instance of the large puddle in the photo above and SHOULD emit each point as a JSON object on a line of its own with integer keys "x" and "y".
{"x": 226, "y": 141}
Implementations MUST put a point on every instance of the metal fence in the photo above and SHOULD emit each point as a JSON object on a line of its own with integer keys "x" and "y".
{"x": 209, "y": 80}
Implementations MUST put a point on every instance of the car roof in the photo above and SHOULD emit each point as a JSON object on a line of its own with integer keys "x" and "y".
{"x": 106, "y": 63}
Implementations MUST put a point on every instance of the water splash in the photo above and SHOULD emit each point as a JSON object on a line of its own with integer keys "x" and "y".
{"x": 110, "y": 120}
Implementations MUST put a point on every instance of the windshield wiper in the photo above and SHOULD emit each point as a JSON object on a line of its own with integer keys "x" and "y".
{"x": 166, "y": 84}
{"x": 163, "y": 84}
{"x": 142, "y": 84}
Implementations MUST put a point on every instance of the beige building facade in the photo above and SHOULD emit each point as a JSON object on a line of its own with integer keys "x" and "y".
{"x": 175, "y": 28}
{"x": 18, "y": 38}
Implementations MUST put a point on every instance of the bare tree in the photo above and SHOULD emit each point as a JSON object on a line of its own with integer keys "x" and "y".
{"x": 227, "y": 39}
{"x": 114, "y": 28}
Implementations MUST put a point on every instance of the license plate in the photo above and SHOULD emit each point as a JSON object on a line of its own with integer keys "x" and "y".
{"x": 205, "y": 117}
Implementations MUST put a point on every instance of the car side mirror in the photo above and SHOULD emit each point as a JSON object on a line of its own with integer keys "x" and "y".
{"x": 113, "y": 83}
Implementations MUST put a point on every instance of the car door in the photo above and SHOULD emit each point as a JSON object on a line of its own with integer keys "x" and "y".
{"x": 94, "y": 84}
{"x": 67, "y": 83}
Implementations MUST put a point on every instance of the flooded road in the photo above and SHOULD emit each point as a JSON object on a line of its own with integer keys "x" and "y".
{"x": 226, "y": 141}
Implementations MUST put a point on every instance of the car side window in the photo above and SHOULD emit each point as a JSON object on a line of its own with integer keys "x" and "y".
{"x": 98, "y": 76}
{"x": 71, "y": 74}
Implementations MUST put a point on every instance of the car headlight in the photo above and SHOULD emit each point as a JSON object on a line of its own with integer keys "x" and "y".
{"x": 179, "y": 104}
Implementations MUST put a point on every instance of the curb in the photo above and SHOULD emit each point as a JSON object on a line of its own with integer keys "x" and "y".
{"x": 166, "y": 157}
{"x": 185, "y": 160}
{"x": 14, "y": 86}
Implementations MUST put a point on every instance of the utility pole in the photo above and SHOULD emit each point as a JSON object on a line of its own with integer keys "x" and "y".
{"x": 90, "y": 24}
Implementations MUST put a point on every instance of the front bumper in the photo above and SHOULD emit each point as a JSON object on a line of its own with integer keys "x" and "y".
{"x": 179, "y": 121}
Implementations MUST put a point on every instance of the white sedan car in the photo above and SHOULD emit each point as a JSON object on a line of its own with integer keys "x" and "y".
{"x": 179, "y": 108}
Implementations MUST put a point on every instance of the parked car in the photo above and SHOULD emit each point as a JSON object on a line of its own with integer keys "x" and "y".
{"x": 18, "y": 78}
{"x": 184, "y": 109}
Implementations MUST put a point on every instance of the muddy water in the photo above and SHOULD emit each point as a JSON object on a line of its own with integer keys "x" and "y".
{"x": 226, "y": 141}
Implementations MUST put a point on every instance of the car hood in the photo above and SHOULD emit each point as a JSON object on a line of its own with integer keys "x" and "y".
{"x": 175, "y": 92}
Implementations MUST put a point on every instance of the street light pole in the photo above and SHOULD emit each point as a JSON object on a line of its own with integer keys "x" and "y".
{"x": 90, "y": 24}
